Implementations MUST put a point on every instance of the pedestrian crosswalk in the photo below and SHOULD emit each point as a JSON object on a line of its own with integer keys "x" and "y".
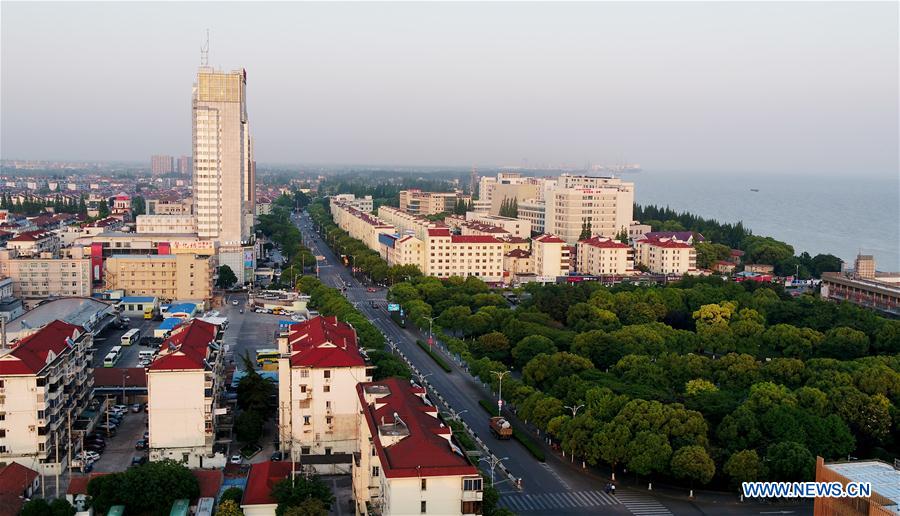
{"x": 520, "y": 502}
{"x": 642, "y": 505}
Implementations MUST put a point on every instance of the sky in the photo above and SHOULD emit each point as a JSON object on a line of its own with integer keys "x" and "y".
{"x": 785, "y": 88}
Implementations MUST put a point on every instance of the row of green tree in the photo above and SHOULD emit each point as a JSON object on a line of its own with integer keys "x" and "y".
{"x": 367, "y": 261}
{"x": 278, "y": 227}
{"x": 33, "y": 206}
{"x": 706, "y": 381}
{"x": 329, "y": 301}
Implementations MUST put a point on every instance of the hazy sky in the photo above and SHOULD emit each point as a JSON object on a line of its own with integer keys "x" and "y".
{"x": 771, "y": 87}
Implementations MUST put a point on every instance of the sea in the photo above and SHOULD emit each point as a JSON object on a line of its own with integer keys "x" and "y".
{"x": 843, "y": 216}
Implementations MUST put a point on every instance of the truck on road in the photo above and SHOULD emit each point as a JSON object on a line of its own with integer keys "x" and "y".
{"x": 501, "y": 428}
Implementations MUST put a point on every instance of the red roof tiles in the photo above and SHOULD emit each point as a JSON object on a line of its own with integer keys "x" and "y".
{"x": 670, "y": 244}
{"x": 549, "y": 239}
{"x": 606, "y": 243}
{"x": 263, "y": 477}
{"x": 15, "y": 478}
{"x": 31, "y": 353}
{"x": 423, "y": 452}
{"x": 186, "y": 348}
{"x": 323, "y": 342}
{"x": 30, "y": 236}
{"x": 439, "y": 232}
{"x": 474, "y": 239}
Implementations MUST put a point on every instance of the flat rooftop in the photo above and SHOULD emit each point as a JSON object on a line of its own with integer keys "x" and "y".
{"x": 80, "y": 311}
{"x": 884, "y": 478}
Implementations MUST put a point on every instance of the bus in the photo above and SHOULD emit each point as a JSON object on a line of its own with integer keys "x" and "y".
{"x": 132, "y": 336}
{"x": 112, "y": 357}
{"x": 267, "y": 359}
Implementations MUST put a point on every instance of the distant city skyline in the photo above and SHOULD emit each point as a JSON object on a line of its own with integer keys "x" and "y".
{"x": 800, "y": 88}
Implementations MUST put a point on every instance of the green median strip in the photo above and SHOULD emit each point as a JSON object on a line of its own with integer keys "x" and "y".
{"x": 533, "y": 448}
{"x": 434, "y": 356}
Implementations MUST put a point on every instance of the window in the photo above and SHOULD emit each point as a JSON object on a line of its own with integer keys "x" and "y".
{"x": 328, "y": 419}
{"x": 327, "y": 451}
{"x": 2, "y": 432}
{"x": 375, "y": 471}
{"x": 304, "y": 450}
{"x": 327, "y": 388}
{"x": 40, "y": 414}
{"x": 472, "y": 484}
{"x": 424, "y": 484}
{"x": 304, "y": 373}
{"x": 306, "y": 420}
{"x": 423, "y": 509}
{"x": 327, "y": 373}
{"x": 302, "y": 388}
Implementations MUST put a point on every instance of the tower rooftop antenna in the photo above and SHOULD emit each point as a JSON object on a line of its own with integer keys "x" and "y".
{"x": 204, "y": 51}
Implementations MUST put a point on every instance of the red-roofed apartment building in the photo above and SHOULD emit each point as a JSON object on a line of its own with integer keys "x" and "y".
{"x": 42, "y": 377}
{"x": 666, "y": 256}
{"x": 33, "y": 243}
{"x": 598, "y": 256}
{"x": 183, "y": 384}
{"x": 407, "y": 462}
{"x": 317, "y": 376}
{"x": 462, "y": 255}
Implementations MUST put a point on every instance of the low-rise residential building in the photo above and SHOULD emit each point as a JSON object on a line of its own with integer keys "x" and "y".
{"x": 533, "y": 212}
{"x": 516, "y": 227}
{"x": 45, "y": 378}
{"x": 517, "y": 263}
{"x": 599, "y": 256}
{"x": 418, "y": 202}
{"x": 449, "y": 255}
{"x": 687, "y": 237}
{"x": 759, "y": 268}
{"x": 166, "y": 276}
{"x": 183, "y": 384}
{"x": 407, "y": 223}
{"x": 550, "y": 256}
{"x": 365, "y": 203}
{"x": 360, "y": 225}
{"x": 402, "y": 250}
{"x": 33, "y": 243}
{"x": 317, "y": 376}
{"x": 166, "y": 224}
{"x": 666, "y": 256}
{"x": 37, "y": 277}
{"x": 170, "y": 206}
{"x": 637, "y": 230}
{"x": 407, "y": 461}
{"x": 881, "y": 292}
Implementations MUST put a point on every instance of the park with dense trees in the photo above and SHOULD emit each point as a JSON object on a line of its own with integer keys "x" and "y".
{"x": 701, "y": 382}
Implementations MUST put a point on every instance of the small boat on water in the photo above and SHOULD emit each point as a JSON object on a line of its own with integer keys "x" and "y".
{"x": 754, "y": 189}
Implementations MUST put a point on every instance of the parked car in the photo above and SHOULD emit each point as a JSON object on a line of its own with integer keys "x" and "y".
{"x": 94, "y": 437}
{"x": 109, "y": 431}
{"x": 146, "y": 436}
{"x": 235, "y": 459}
{"x": 90, "y": 456}
{"x": 277, "y": 456}
{"x": 235, "y": 302}
{"x": 120, "y": 407}
{"x": 136, "y": 408}
{"x": 141, "y": 445}
{"x": 137, "y": 460}
{"x": 95, "y": 447}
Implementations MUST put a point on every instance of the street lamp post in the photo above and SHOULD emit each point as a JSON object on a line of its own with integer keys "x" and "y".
{"x": 500, "y": 375}
{"x": 574, "y": 409}
{"x": 124, "y": 377}
{"x": 494, "y": 462}
{"x": 430, "y": 332}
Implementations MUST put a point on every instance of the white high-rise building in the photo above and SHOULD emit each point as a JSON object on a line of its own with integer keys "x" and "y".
{"x": 224, "y": 170}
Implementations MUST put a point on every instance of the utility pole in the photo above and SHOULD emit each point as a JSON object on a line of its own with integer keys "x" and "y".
{"x": 500, "y": 375}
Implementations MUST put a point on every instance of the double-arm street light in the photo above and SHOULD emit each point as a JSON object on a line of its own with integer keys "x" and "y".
{"x": 500, "y": 375}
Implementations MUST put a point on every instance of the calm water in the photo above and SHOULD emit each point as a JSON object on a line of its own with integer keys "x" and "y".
{"x": 840, "y": 216}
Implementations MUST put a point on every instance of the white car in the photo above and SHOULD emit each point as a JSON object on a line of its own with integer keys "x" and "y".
{"x": 120, "y": 407}
{"x": 235, "y": 302}
{"x": 235, "y": 459}
{"x": 89, "y": 456}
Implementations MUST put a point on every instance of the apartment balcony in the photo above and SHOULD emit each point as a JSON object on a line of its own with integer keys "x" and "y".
{"x": 472, "y": 496}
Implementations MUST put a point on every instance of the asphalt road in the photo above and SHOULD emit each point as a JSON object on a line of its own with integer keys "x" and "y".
{"x": 113, "y": 337}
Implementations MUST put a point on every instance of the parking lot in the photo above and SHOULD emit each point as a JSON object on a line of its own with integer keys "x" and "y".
{"x": 113, "y": 337}
{"x": 120, "y": 449}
